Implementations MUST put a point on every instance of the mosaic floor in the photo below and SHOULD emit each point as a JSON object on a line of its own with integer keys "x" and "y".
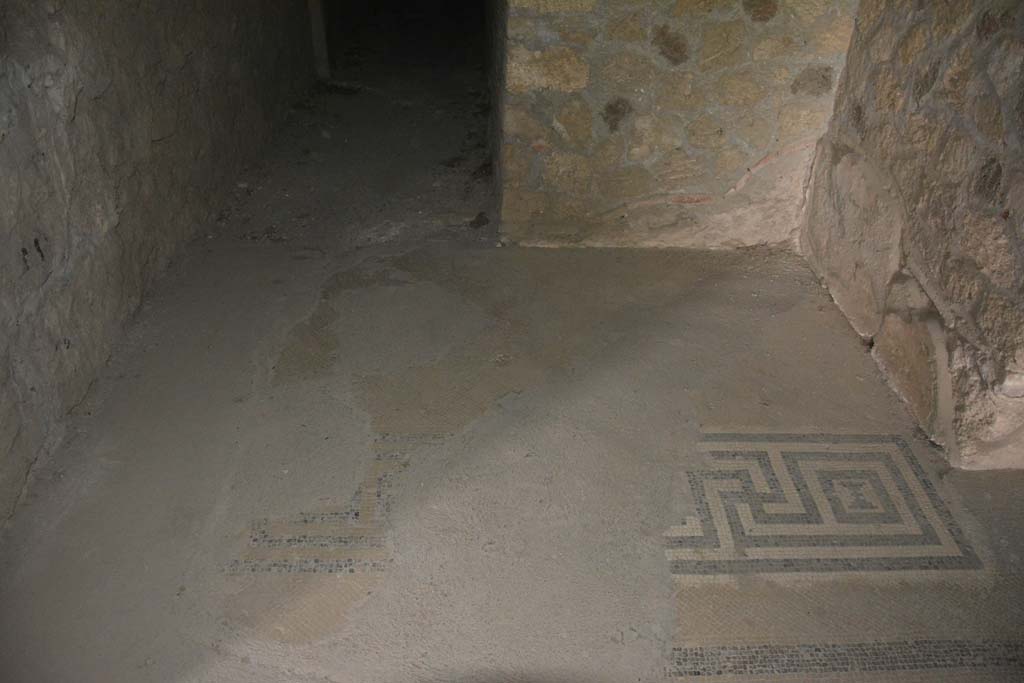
{"x": 805, "y": 519}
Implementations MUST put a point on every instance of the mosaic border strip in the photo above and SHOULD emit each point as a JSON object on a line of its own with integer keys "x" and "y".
{"x": 755, "y": 500}
{"x": 346, "y": 541}
{"x": 839, "y": 658}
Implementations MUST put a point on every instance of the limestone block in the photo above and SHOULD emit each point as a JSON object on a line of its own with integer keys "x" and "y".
{"x": 551, "y": 6}
{"x": 653, "y": 134}
{"x": 577, "y": 37}
{"x": 773, "y": 46}
{"x": 724, "y": 44}
{"x": 835, "y": 39}
{"x": 680, "y": 169}
{"x": 987, "y": 114}
{"x": 610, "y": 153}
{"x": 742, "y": 88}
{"x": 868, "y": 13}
{"x": 951, "y": 13}
{"x": 516, "y": 160}
{"x": 1000, "y": 318}
{"x": 800, "y": 120}
{"x": 852, "y": 236}
{"x": 519, "y": 123}
{"x": 730, "y": 163}
{"x": 629, "y": 72}
{"x": 626, "y": 183}
{"x": 914, "y": 41}
{"x": 631, "y": 28}
{"x": 806, "y": 10}
{"x": 519, "y": 205}
{"x": 990, "y": 242}
{"x": 957, "y": 75}
{"x": 568, "y": 174}
{"x": 574, "y": 122}
{"x": 558, "y": 68}
{"x": 676, "y": 93}
{"x": 756, "y": 128}
{"x": 903, "y": 349}
{"x": 693, "y": 7}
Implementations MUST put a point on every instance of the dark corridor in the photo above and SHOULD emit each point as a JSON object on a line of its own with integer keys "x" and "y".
{"x": 412, "y": 33}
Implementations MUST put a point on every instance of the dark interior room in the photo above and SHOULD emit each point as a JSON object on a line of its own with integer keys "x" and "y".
{"x": 511, "y": 341}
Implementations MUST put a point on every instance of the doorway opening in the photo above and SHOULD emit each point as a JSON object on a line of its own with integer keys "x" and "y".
{"x": 444, "y": 54}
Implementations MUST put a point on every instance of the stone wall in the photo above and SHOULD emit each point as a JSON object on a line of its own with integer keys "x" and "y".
{"x": 120, "y": 124}
{"x": 665, "y": 122}
{"x": 916, "y": 213}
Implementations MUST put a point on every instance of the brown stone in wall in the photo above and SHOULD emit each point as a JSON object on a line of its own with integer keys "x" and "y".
{"x": 989, "y": 180}
{"x": 761, "y": 10}
{"x": 671, "y": 44}
{"x": 615, "y": 111}
{"x": 684, "y": 7}
{"x": 813, "y": 80}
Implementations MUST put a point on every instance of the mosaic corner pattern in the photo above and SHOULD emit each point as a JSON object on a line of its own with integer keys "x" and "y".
{"x": 348, "y": 541}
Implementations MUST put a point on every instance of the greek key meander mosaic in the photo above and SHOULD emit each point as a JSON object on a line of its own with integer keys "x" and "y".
{"x": 349, "y": 541}
{"x": 800, "y": 503}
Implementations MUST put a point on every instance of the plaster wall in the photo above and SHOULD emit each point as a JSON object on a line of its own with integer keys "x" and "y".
{"x": 121, "y": 125}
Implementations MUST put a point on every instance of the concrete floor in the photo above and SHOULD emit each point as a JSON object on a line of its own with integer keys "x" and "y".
{"x": 352, "y": 438}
